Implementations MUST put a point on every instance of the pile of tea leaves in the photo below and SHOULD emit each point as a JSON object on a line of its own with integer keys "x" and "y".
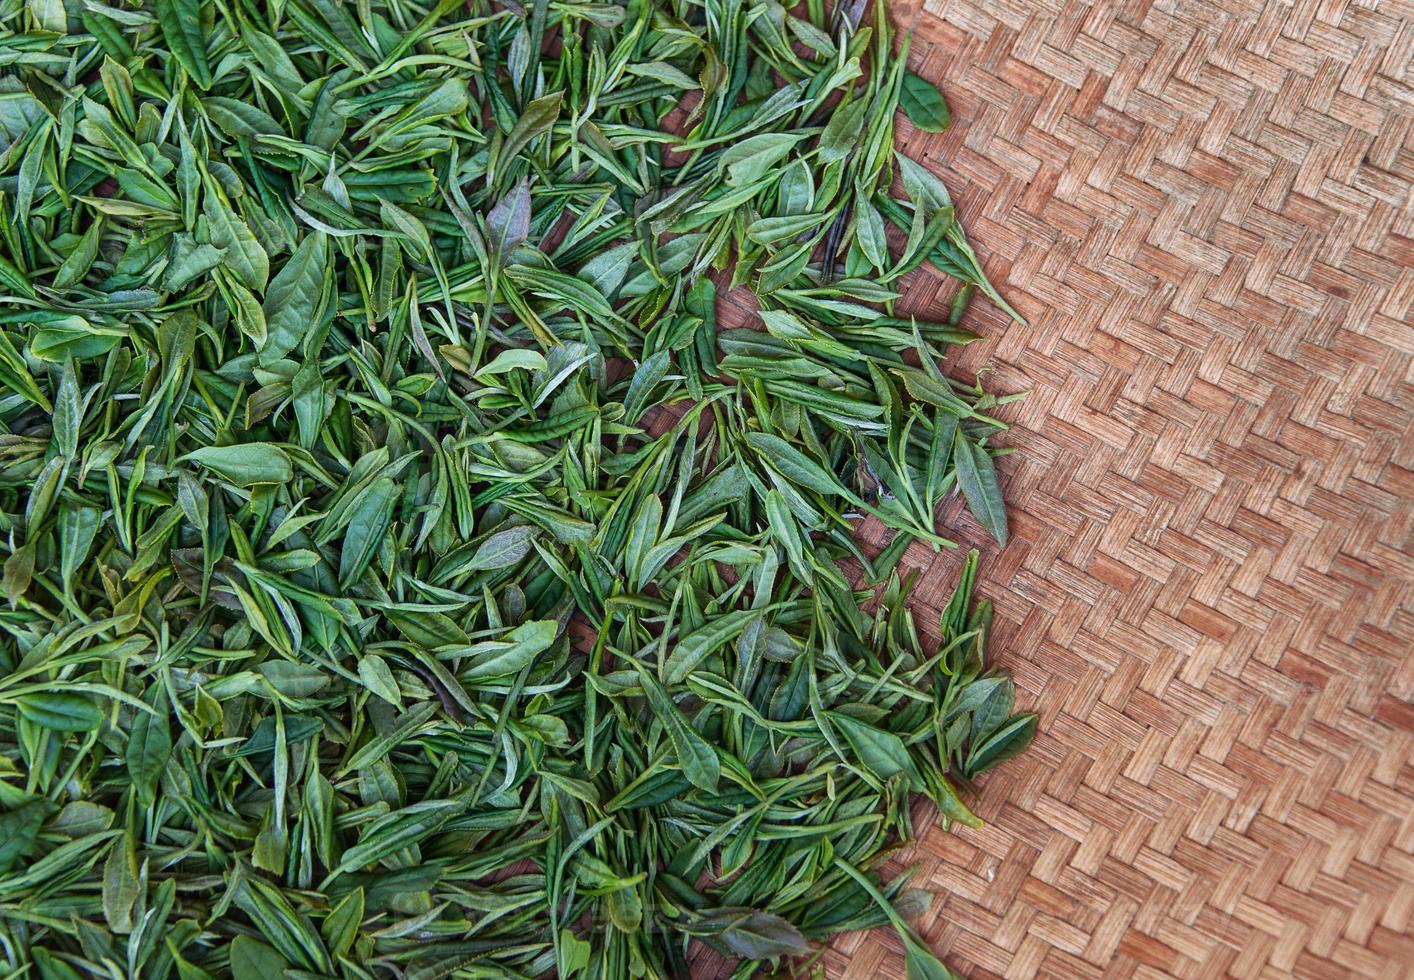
{"x": 404, "y": 574}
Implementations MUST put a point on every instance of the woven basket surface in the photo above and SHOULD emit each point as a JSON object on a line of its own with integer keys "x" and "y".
{"x": 1203, "y": 209}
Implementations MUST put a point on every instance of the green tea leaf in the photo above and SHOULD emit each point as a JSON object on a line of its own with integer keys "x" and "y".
{"x": 537, "y": 119}
{"x": 1007, "y": 742}
{"x": 242, "y": 253}
{"x": 496, "y": 658}
{"x": 148, "y": 749}
{"x": 750, "y": 159}
{"x": 368, "y": 526}
{"x": 293, "y": 301}
{"x": 756, "y": 935}
{"x": 977, "y": 476}
{"x": 19, "y": 830}
{"x": 508, "y": 223}
{"x": 697, "y": 759}
{"x": 340, "y": 927}
{"x": 245, "y": 465}
{"x": 882, "y": 753}
{"x": 61, "y": 711}
{"x": 253, "y": 960}
{"x": 923, "y": 104}
{"x": 180, "y": 21}
{"x": 794, "y": 465}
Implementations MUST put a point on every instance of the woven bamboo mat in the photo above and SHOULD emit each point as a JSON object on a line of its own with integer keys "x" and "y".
{"x": 1204, "y": 211}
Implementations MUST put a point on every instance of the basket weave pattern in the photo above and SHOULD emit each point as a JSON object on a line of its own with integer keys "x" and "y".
{"x": 1204, "y": 211}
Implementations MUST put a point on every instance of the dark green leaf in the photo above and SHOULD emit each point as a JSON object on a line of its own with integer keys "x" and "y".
{"x": 61, "y": 711}
{"x": 181, "y": 26}
{"x": 19, "y": 830}
{"x": 924, "y": 104}
{"x": 148, "y": 749}
{"x": 294, "y": 299}
{"x": 977, "y": 476}
{"x": 247, "y": 464}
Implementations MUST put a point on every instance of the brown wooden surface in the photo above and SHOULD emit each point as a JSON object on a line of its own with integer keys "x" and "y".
{"x": 1203, "y": 209}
